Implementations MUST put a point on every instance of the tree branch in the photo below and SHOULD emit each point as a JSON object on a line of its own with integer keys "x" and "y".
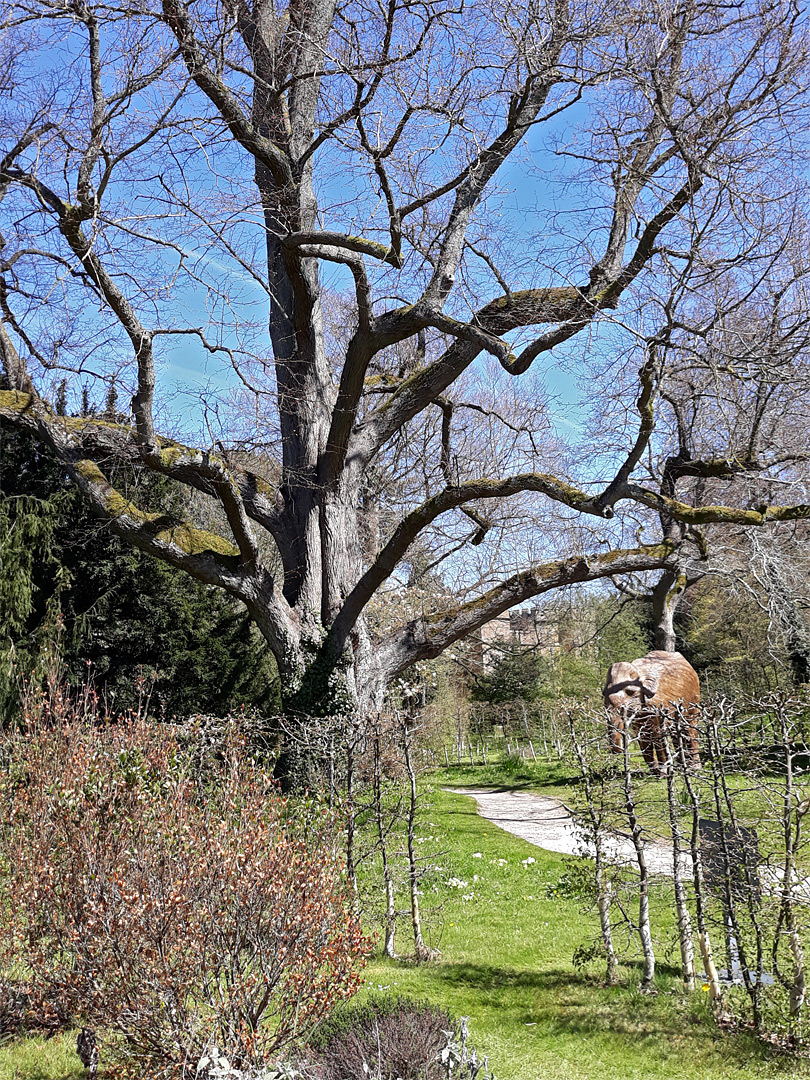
{"x": 417, "y": 520}
{"x": 175, "y": 14}
{"x": 427, "y": 636}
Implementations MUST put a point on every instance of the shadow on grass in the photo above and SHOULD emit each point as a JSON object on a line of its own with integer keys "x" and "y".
{"x": 568, "y": 1004}
{"x": 505, "y": 778}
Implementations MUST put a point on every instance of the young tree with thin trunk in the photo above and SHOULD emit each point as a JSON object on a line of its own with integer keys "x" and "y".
{"x": 681, "y": 906}
{"x": 636, "y": 832}
{"x": 596, "y": 832}
{"x": 794, "y": 810}
{"x": 384, "y": 821}
{"x": 182, "y": 182}
{"x": 693, "y": 793}
{"x": 407, "y": 733}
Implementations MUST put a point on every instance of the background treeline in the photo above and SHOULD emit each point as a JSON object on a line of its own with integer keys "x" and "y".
{"x": 77, "y": 602}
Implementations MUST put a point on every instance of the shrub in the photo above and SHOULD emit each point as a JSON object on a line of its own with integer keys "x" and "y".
{"x": 19, "y": 1015}
{"x": 181, "y": 918}
{"x": 394, "y": 1039}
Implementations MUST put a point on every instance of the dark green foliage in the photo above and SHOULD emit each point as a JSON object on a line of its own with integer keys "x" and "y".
{"x": 626, "y": 630}
{"x": 30, "y": 512}
{"x": 515, "y": 675}
{"x": 129, "y": 623}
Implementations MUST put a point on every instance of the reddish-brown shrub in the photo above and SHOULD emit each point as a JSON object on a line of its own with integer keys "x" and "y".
{"x": 178, "y": 917}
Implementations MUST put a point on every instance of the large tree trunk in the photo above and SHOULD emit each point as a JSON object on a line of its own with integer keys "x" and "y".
{"x": 666, "y": 597}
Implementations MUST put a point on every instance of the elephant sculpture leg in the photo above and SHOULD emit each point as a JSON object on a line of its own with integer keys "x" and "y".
{"x": 686, "y": 733}
{"x": 693, "y": 745}
{"x": 648, "y": 745}
{"x": 615, "y": 729}
{"x": 652, "y": 741}
{"x": 661, "y": 749}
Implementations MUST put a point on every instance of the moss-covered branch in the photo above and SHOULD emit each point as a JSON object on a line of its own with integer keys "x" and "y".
{"x": 427, "y": 636}
{"x": 706, "y": 515}
{"x": 205, "y": 555}
{"x": 417, "y": 520}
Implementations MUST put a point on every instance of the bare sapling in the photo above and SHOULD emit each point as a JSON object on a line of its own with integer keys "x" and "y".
{"x": 351, "y": 868}
{"x": 422, "y": 951}
{"x": 383, "y": 828}
{"x": 794, "y": 809}
{"x": 595, "y": 832}
{"x": 681, "y": 907}
{"x": 704, "y": 941}
{"x": 735, "y": 887}
{"x": 543, "y": 738}
{"x": 647, "y": 985}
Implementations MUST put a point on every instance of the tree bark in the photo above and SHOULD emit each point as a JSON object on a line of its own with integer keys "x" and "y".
{"x": 666, "y": 596}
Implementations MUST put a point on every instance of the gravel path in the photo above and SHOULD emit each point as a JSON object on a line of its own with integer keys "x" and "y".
{"x": 548, "y": 824}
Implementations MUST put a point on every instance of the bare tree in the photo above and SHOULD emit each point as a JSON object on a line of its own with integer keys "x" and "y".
{"x": 732, "y": 382}
{"x": 238, "y": 158}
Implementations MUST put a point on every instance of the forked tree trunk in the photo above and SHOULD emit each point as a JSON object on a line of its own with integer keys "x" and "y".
{"x": 666, "y": 597}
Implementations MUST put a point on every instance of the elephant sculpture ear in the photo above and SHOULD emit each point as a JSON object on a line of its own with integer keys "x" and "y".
{"x": 649, "y": 683}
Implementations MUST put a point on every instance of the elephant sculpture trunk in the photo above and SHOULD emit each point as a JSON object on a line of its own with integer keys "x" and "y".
{"x": 643, "y": 697}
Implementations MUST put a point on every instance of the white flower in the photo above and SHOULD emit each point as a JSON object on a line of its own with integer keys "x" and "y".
{"x": 528, "y": 862}
{"x": 477, "y": 855}
{"x": 475, "y": 877}
{"x": 457, "y": 883}
{"x": 468, "y": 896}
{"x": 503, "y": 862}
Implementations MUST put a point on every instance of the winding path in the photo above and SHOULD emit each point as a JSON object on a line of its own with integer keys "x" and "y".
{"x": 548, "y": 824}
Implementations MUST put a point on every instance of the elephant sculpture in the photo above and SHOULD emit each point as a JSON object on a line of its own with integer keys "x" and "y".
{"x": 640, "y": 694}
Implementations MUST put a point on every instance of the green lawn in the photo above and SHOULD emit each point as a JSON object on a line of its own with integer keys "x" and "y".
{"x": 507, "y": 964}
{"x": 41, "y": 1059}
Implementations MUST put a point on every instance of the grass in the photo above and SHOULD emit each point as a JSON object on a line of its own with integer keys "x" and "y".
{"x": 41, "y": 1059}
{"x": 507, "y": 964}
